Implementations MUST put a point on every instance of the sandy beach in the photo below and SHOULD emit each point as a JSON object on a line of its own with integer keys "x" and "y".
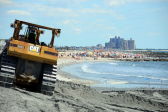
{"x": 73, "y": 94}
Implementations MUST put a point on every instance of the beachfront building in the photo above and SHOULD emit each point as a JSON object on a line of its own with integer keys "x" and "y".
{"x": 120, "y": 43}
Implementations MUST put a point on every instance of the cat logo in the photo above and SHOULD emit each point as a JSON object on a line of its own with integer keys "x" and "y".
{"x": 34, "y": 49}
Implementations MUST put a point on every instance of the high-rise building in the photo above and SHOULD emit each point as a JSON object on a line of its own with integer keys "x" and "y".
{"x": 125, "y": 46}
{"x": 131, "y": 44}
{"x": 120, "y": 43}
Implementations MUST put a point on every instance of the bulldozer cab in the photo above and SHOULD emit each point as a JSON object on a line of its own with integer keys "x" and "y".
{"x": 31, "y": 35}
{"x": 33, "y": 32}
{"x": 25, "y": 42}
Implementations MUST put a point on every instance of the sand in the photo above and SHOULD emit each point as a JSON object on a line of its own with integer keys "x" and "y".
{"x": 73, "y": 95}
{"x": 70, "y": 97}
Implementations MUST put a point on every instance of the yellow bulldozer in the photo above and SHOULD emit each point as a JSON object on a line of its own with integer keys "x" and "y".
{"x": 28, "y": 63}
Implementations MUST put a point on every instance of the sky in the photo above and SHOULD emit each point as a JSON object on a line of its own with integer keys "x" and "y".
{"x": 92, "y": 22}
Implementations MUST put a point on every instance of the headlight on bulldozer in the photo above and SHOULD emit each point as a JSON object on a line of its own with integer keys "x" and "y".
{"x": 20, "y": 46}
{"x": 13, "y": 45}
{"x": 16, "y": 45}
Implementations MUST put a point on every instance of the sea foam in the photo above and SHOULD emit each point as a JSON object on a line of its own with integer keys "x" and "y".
{"x": 86, "y": 69}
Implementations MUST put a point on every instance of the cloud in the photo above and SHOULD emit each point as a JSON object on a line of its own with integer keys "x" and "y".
{"x": 70, "y": 12}
{"x": 62, "y": 10}
{"x": 90, "y": 10}
{"x": 104, "y": 12}
{"x": 77, "y": 30}
{"x": 115, "y": 2}
{"x": 58, "y": 11}
{"x": 65, "y": 22}
{"x": 54, "y": 11}
{"x": 122, "y": 2}
{"x": 5, "y": 2}
{"x": 64, "y": 1}
{"x": 19, "y": 12}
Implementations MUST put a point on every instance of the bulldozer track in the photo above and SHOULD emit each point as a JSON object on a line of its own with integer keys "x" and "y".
{"x": 7, "y": 70}
{"x": 7, "y": 74}
{"x": 49, "y": 79}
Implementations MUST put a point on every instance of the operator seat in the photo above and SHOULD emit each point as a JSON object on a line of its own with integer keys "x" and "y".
{"x": 32, "y": 36}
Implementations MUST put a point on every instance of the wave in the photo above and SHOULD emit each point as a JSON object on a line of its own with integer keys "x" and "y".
{"x": 112, "y": 63}
{"x": 143, "y": 76}
{"x": 85, "y": 68}
{"x": 117, "y": 82}
{"x": 133, "y": 65}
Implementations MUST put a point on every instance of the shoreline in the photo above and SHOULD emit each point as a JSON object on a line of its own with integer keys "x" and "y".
{"x": 64, "y": 76}
{"x": 67, "y": 77}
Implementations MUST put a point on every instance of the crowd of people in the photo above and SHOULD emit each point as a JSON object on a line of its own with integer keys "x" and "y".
{"x": 100, "y": 54}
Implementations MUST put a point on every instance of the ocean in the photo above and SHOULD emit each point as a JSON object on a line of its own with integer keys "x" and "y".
{"x": 122, "y": 74}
